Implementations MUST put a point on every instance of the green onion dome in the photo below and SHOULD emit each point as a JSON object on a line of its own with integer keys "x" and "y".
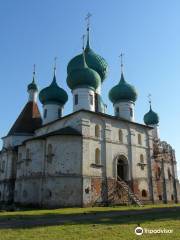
{"x": 53, "y": 94}
{"x": 32, "y": 85}
{"x": 93, "y": 60}
{"x": 151, "y": 118}
{"x": 83, "y": 76}
{"x": 122, "y": 92}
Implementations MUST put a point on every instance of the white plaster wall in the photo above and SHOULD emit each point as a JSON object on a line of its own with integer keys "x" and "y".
{"x": 12, "y": 141}
{"x": 83, "y": 99}
{"x": 67, "y": 155}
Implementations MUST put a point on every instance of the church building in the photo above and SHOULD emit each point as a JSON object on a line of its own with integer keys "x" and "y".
{"x": 87, "y": 157}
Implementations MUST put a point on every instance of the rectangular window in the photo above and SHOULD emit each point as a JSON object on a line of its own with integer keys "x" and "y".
{"x": 117, "y": 111}
{"x": 76, "y": 99}
{"x": 45, "y": 113}
{"x": 131, "y": 112}
{"x": 91, "y": 99}
{"x": 59, "y": 112}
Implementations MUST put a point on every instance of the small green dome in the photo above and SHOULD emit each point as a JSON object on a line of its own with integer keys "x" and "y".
{"x": 83, "y": 76}
{"x": 32, "y": 86}
{"x": 93, "y": 60}
{"x": 122, "y": 92}
{"x": 151, "y": 118}
{"x": 53, "y": 94}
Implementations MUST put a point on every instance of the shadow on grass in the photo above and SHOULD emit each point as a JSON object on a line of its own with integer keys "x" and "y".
{"x": 137, "y": 216}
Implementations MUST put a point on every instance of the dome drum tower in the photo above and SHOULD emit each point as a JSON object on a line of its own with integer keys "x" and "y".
{"x": 53, "y": 99}
{"x": 125, "y": 109}
{"x": 32, "y": 89}
{"x": 123, "y": 97}
{"x": 151, "y": 119}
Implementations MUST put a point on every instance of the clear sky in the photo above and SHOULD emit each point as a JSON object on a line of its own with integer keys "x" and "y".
{"x": 148, "y": 32}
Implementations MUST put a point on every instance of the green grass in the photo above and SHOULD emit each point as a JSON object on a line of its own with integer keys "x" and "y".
{"x": 106, "y": 223}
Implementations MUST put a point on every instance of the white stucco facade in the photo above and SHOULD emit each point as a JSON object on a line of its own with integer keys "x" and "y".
{"x": 55, "y": 168}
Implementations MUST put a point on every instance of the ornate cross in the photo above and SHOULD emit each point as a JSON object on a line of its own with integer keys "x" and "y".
{"x": 122, "y": 65}
{"x": 55, "y": 62}
{"x": 149, "y": 98}
{"x": 89, "y": 15}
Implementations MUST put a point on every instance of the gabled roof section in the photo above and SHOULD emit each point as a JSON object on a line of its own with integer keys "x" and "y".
{"x": 28, "y": 121}
{"x": 66, "y": 131}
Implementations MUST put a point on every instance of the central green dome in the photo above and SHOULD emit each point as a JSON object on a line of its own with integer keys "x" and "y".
{"x": 83, "y": 76}
{"x": 53, "y": 94}
{"x": 151, "y": 118}
{"x": 122, "y": 92}
{"x": 93, "y": 60}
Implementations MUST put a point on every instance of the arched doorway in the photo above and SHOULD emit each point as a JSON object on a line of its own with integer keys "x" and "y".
{"x": 122, "y": 168}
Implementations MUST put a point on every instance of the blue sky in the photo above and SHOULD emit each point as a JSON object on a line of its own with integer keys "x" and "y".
{"x": 148, "y": 32}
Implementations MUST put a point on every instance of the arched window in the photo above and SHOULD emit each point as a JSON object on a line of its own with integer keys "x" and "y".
{"x": 141, "y": 158}
{"x": 97, "y": 156}
{"x": 117, "y": 111}
{"x": 97, "y": 131}
{"x": 49, "y": 153}
{"x": 25, "y": 194}
{"x": 91, "y": 99}
{"x": 120, "y": 135}
{"x": 144, "y": 193}
{"x": 45, "y": 113}
{"x": 59, "y": 113}
{"x": 131, "y": 112}
{"x": 76, "y": 99}
{"x": 3, "y": 166}
{"x": 27, "y": 154}
{"x": 169, "y": 174}
{"x": 139, "y": 139}
{"x": 172, "y": 197}
{"x": 160, "y": 197}
{"x": 158, "y": 173}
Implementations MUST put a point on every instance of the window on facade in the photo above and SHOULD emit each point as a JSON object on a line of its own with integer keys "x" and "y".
{"x": 158, "y": 173}
{"x": 59, "y": 112}
{"x": 27, "y": 154}
{"x": 25, "y": 194}
{"x": 131, "y": 112}
{"x": 120, "y": 135}
{"x": 97, "y": 131}
{"x": 97, "y": 156}
{"x": 49, "y": 153}
{"x": 20, "y": 157}
{"x": 139, "y": 139}
{"x": 76, "y": 99}
{"x": 45, "y": 113}
{"x": 169, "y": 174}
{"x": 141, "y": 158}
{"x": 91, "y": 99}
{"x": 3, "y": 166}
{"x": 117, "y": 111}
{"x": 160, "y": 197}
{"x": 172, "y": 197}
{"x": 144, "y": 193}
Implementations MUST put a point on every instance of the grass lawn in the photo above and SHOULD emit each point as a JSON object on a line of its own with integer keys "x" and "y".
{"x": 106, "y": 223}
